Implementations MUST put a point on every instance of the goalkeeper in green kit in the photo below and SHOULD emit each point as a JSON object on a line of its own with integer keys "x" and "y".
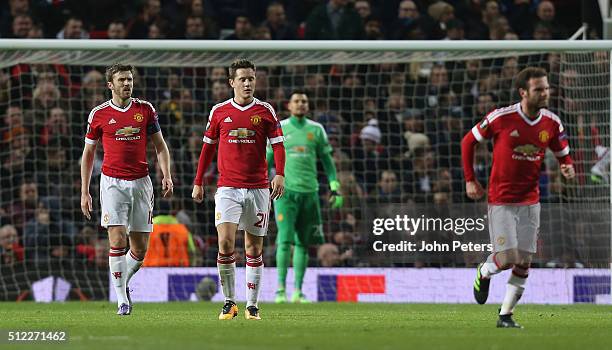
{"x": 298, "y": 215}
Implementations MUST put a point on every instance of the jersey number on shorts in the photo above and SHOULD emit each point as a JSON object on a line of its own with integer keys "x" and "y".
{"x": 263, "y": 219}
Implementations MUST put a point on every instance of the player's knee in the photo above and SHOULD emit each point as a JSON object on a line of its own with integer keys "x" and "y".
{"x": 508, "y": 258}
{"x": 521, "y": 270}
{"x": 226, "y": 246}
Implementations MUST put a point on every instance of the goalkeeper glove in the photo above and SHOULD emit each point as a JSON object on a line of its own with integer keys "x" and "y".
{"x": 335, "y": 200}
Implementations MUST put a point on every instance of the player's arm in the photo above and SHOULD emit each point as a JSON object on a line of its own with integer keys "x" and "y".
{"x": 211, "y": 137}
{"x": 87, "y": 160}
{"x": 163, "y": 157}
{"x": 276, "y": 138}
{"x": 560, "y": 147}
{"x": 479, "y": 133}
{"x": 324, "y": 151}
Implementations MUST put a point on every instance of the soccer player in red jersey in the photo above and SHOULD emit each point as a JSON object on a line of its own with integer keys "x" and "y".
{"x": 242, "y": 126}
{"x": 520, "y": 133}
{"x": 124, "y": 124}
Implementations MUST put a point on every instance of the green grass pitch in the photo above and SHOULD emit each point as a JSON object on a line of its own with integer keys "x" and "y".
{"x": 182, "y": 326}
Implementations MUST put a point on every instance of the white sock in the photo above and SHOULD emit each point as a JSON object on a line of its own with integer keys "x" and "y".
{"x": 514, "y": 291}
{"x": 118, "y": 270}
{"x": 133, "y": 265}
{"x": 489, "y": 268}
{"x": 254, "y": 271}
{"x": 226, "y": 264}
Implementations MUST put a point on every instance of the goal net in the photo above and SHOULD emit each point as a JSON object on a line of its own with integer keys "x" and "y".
{"x": 395, "y": 118}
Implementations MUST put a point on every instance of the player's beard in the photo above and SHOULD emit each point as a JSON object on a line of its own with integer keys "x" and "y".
{"x": 124, "y": 94}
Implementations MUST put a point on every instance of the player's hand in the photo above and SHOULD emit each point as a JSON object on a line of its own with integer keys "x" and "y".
{"x": 86, "y": 206}
{"x": 474, "y": 190}
{"x": 197, "y": 194}
{"x": 335, "y": 198}
{"x": 568, "y": 172}
{"x": 167, "y": 187}
{"x": 278, "y": 187}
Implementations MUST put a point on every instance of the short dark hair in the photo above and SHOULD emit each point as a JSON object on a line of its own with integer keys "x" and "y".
{"x": 298, "y": 92}
{"x": 241, "y": 63}
{"x": 118, "y": 67}
{"x": 522, "y": 79}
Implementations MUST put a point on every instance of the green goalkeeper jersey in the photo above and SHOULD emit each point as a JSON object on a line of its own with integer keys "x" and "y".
{"x": 305, "y": 141}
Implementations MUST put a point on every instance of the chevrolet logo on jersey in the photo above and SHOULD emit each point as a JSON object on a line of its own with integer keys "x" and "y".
{"x": 127, "y": 134}
{"x": 526, "y": 152}
{"x": 242, "y": 133}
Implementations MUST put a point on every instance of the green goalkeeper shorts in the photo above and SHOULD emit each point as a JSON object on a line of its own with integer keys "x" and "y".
{"x": 298, "y": 218}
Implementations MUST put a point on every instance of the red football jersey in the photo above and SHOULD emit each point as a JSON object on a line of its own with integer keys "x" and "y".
{"x": 519, "y": 146}
{"x": 242, "y": 133}
{"x": 124, "y": 134}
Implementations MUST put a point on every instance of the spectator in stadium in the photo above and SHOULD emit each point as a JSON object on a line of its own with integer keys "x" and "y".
{"x": 373, "y": 29}
{"x": 45, "y": 96}
{"x": 217, "y": 74}
{"x": 408, "y": 18}
{"x": 328, "y": 255}
{"x": 150, "y": 13}
{"x": 156, "y": 31}
{"x": 5, "y": 90}
{"x": 363, "y": 8}
{"x": 276, "y": 21}
{"x": 486, "y": 103}
{"x": 262, "y": 33}
{"x": 73, "y": 29}
{"x": 439, "y": 14}
{"x": 194, "y": 29}
{"x": 220, "y": 91}
{"x": 368, "y": 155}
{"x": 22, "y": 24}
{"x": 116, "y": 30}
{"x": 56, "y": 124}
{"x": 14, "y": 9}
{"x": 545, "y": 14}
{"x": 36, "y": 32}
{"x": 196, "y": 8}
{"x": 387, "y": 189}
{"x": 10, "y": 250}
{"x": 24, "y": 207}
{"x": 243, "y": 29}
{"x": 48, "y": 237}
{"x": 14, "y": 121}
{"x": 455, "y": 30}
{"x": 498, "y": 28}
{"x": 542, "y": 31}
{"x": 334, "y": 20}
{"x": 478, "y": 27}
{"x": 85, "y": 244}
{"x": 419, "y": 180}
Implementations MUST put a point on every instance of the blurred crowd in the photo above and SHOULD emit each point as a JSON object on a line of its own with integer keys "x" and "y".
{"x": 396, "y": 128}
{"x": 293, "y": 19}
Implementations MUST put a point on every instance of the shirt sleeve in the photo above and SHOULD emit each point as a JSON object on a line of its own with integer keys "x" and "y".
{"x": 93, "y": 130}
{"x": 211, "y": 135}
{"x": 559, "y": 144}
{"x": 275, "y": 132}
{"x": 484, "y": 130}
{"x": 153, "y": 121}
{"x": 323, "y": 146}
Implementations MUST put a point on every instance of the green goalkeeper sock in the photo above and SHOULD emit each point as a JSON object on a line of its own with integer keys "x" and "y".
{"x": 283, "y": 254}
{"x": 300, "y": 262}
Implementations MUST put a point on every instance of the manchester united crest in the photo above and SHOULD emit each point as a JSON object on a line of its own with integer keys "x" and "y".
{"x": 544, "y": 136}
{"x": 138, "y": 117}
{"x": 106, "y": 218}
{"x": 310, "y": 136}
{"x": 255, "y": 120}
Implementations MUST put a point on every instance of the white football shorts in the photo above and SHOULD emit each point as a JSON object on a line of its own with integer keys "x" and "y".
{"x": 127, "y": 203}
{"x": 247, "y": 207}
{"x": 514, "y": 226}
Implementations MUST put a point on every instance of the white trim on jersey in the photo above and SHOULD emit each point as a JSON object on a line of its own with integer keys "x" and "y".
{"x": 500, "y": 113}
{"x": 243, "y": 108}
{"x": 553, "y": 116}
{"x": 477, "y": 134}
{"x": 563, "y": 152}
{"x": 526, "y": 119}
{"x": 90, "y": 141}
{"x": 209, "y": 140}
{"x": 268, "y": 106}
{"x": 276, "y": 139}
{"x": 146, "y": 102}
{"x": 124, "y": 109}
{"x": 312, "y": 122}
{"x": 95, "y": 109}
